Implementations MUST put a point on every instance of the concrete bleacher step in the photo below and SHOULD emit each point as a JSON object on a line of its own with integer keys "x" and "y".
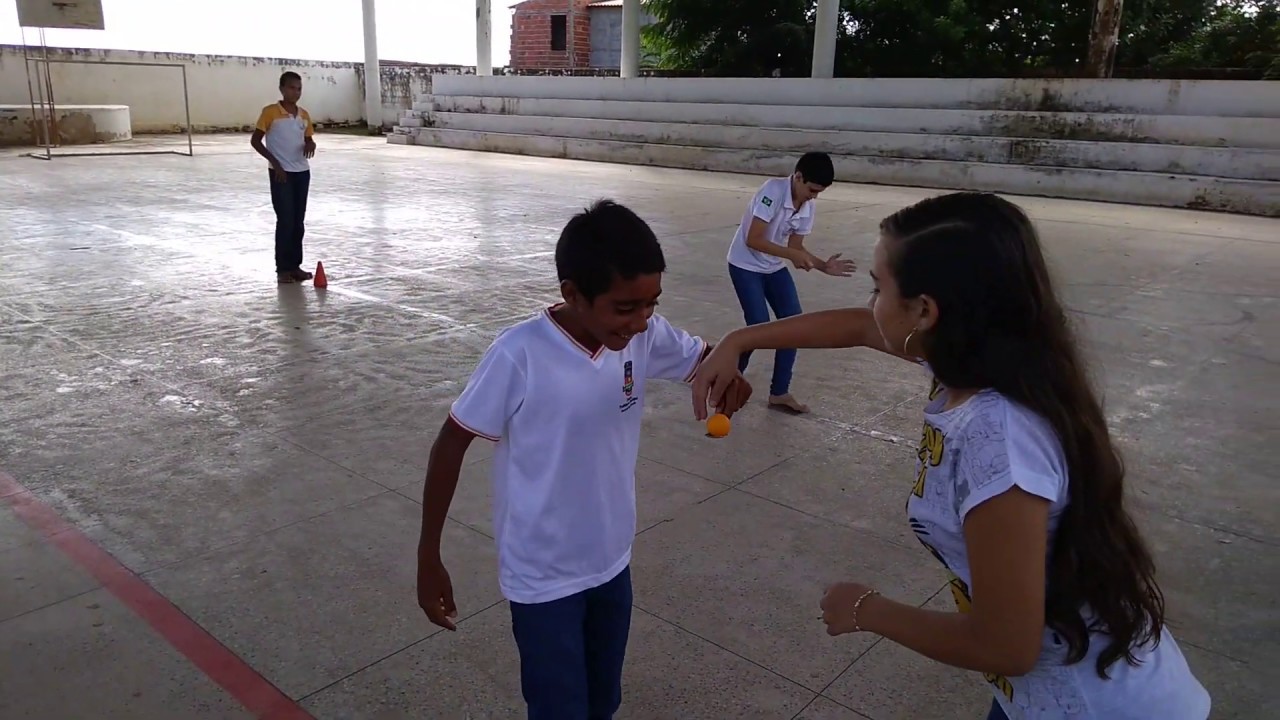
{"x": 1239, "y": 163}
{"x": 1247, "y": 132}
{"x": 1150, "y": 97}
{"x": 1255, "y": 197}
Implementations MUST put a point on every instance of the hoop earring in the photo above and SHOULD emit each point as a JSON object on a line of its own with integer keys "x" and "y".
{"x": 907, "y": 342}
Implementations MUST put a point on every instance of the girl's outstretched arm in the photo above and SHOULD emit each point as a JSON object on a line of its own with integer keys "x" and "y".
{"x": 845, "y": 328}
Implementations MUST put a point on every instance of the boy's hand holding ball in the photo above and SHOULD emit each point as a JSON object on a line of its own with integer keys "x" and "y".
{"x": 734, "y": 398}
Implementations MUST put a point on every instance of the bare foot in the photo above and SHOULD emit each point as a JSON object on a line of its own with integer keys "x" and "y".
{"x": 788, "y": 403}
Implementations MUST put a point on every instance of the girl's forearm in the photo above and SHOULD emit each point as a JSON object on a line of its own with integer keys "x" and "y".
{"x": 844, "y": 328}
{"x": 952, "y": 638}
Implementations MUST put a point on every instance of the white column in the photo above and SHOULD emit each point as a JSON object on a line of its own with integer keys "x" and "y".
{"x": 372, "y": 73}
{"x": 824, "y": 38}
{"x": 484, "y": 37}
{"x": 630, "y": 39}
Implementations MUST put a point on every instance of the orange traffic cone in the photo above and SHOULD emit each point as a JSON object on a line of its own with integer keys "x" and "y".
{"x": 320, "y": 280}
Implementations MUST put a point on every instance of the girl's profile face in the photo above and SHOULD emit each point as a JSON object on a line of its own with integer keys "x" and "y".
{"x": 892, "y": 318}
{"x": 896, "y": 317}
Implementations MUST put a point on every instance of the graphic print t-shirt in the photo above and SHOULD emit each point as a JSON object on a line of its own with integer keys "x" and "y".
{"x": 979, "y": 450}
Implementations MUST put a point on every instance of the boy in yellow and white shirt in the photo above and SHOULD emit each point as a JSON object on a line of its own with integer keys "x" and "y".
{"x": 284, "y": 136}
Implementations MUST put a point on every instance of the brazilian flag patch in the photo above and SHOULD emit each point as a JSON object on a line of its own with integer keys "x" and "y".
{"x": 768, "y": 202}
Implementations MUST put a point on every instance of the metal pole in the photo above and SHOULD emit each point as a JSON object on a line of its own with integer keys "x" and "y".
{"x": 372, "y": 71}
{"x": 186, "y": 105}
{"x": 31, "y": 89}
{"x": 630, "y": 65}
{"x": 54, "y": 135}
{"x": 484, "y": 37}
{"x": 826, "y": 26}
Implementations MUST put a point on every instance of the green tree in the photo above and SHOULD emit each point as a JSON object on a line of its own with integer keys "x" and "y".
{"x": 961, "y": 38}
{"x": 750, "y": 38}
{"x": 1235, "y": 35}
{"x": 958, "y": 38}
{"x": 1149, "y": 28}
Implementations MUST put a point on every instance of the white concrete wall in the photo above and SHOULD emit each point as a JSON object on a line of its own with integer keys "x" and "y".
{"x": 1253, "y": 197}
{"x": 1153, "y": 97}
{"x": 1201, "y": 144}
{"x": 1252, "y": 132}
{"x": 77, "y": 124}
{"x": 1240, "y": 163}
{"x": 226, "y": 92}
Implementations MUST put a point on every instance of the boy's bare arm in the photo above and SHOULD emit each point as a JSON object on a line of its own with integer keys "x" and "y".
{"x": 256, "y": 142}
{"x": 443, "y": 468}
{"x": 757, "y": 240}
{"x": 833, "y": 265}
{"x": 435, "y": 589}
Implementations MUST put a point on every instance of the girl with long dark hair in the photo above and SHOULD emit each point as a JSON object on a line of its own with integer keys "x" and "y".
{"x": 1018, "y": 490}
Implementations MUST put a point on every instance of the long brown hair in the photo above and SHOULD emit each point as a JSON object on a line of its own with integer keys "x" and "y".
{"x": 1001, "y": 326}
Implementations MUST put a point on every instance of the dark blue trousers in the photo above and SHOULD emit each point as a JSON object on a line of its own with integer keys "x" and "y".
{"x": 289, "y": 199}
{"x": 997, "y": 712}
{"x": 757, "y": 293}
{"x": 572, "y": 651}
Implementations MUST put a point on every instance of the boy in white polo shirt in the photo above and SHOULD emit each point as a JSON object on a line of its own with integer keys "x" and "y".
{"x": 562, "y": 394}
{"x": 771, "y": 233}
{"x": 284, "y": 136}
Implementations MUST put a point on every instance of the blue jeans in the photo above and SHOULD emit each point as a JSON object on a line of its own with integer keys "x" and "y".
{"x": 757, "y": 293}
{"x": 572, "y": 651}
{"x": 289, "y": 199}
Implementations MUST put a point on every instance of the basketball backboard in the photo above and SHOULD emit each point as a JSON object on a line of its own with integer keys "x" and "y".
{"x": 66, "y": 14}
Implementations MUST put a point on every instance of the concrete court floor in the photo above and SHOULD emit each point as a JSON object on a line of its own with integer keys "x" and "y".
{"x": 255, "y": 454}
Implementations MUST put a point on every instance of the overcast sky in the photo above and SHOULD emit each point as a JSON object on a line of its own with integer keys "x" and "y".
{"x": 433, "y": 31}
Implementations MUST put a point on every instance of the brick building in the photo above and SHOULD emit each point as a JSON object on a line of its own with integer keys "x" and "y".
{"x": 567, "y": 34}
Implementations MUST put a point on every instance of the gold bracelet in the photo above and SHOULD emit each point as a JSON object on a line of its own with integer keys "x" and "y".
{"x": 857, "y": 605}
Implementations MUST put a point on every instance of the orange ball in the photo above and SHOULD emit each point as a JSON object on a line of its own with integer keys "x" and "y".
{"x": 718, "y": 425}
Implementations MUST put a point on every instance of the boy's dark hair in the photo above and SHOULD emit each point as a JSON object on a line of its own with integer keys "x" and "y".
{"x": 605, "y": 241}
{"x": 816, "y": 167}
{"x": 289, "y": 75}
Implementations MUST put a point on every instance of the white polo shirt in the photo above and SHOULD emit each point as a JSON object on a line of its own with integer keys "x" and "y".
{"x": 772, "y": 204}
{"x": 286, "y": 136}
{"x": 567, "y": 424}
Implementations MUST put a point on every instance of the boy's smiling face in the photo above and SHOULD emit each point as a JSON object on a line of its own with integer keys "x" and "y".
{"x": 619, "y": 314}
{"x": 291, "y": 90}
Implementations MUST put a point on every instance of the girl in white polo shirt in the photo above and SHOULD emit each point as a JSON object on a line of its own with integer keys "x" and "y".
{"x": 1019, "y": 489}
{"x": 562, "y": 394}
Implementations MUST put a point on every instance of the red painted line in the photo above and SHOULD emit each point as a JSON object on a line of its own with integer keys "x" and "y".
{"x": 214, "y": 659}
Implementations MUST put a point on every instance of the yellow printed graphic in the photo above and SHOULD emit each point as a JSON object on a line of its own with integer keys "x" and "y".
{"x": 918, "y": 490}
{"x": 935, "y": 389}
{"x": 960, "y": 593}
{"x": 964, "y": 603}
{"x": 1001, "y": 683}
{"x": 930, "y": 454}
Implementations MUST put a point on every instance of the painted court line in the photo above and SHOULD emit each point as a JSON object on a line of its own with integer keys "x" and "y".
{"x": 214, "y": 659}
